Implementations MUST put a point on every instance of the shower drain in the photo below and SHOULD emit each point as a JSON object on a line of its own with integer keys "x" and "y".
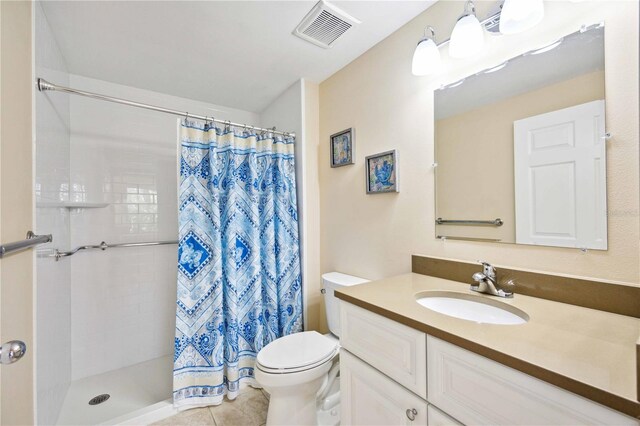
{"x": 99, "y": 399}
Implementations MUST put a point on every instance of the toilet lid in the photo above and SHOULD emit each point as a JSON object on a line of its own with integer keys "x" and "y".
{"x": 297, "y": 351}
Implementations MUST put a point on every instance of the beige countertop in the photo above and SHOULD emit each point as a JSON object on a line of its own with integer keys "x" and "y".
{"x": 586, "y": 351}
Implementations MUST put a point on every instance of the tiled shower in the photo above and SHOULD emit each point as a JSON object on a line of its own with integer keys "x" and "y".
{"x": 105, "y": 172}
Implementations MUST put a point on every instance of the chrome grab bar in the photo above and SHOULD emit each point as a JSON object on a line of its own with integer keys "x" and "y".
{"x": 495, "y": 222}
{"x": 103, "y": 246}
{"x": 31, "y": 241}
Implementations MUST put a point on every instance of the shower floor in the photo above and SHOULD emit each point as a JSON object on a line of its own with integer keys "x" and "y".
{"x": 135, "y": 391}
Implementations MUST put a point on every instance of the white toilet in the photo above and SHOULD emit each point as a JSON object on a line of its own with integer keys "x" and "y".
{"x": 300, "y": 370}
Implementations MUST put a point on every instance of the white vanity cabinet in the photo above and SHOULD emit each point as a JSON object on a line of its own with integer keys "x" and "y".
{"x": 438, "y": 418}
{"x": 392, "y": 374}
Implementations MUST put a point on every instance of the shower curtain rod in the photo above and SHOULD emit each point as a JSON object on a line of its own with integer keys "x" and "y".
{"x": 43, "y": 85}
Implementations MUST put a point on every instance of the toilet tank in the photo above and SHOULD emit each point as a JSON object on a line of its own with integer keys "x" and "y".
{"x": 330, "y": 282}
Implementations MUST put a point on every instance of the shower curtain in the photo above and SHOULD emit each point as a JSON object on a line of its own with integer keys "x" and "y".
{"x": 239, "y": 282}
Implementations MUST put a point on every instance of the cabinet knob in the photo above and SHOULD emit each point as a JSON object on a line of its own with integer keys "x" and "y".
{"x": 411, "y": 413}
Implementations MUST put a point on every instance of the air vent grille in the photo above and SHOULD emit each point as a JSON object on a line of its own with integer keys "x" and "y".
{"x": 326, "y": 28}
{"x": 324, "y": 25}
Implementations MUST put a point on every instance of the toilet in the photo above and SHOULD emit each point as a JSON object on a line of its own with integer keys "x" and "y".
{"x": 300, "y": 371}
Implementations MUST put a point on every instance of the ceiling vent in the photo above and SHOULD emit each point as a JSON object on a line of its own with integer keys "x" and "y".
{"x": 324, "y": 24}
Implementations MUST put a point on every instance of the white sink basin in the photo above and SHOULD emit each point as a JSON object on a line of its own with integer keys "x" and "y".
{"x": 472, "y": 308}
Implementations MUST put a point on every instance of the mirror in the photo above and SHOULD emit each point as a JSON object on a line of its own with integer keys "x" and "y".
{"x": 520, "y": 149}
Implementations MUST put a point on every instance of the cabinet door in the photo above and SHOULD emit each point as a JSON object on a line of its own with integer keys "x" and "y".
{"x": 392, "y": 348}
{"x": 479, "y": 391}
{"x": 368, "y": 397}
{"x": 438, "y": 418}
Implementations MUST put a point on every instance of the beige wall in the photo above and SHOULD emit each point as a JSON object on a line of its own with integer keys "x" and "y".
{"x": 16, "y": 207}
{"x": 315, "y": 309}
{"x": 474, "y": 152}
{"x": 374, "y": 235}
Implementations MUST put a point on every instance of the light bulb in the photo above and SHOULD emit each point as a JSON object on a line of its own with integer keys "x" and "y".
{"x": 426, "y": 58}
{"x": 467, "y": 38}
{"x": 520, "y": 15}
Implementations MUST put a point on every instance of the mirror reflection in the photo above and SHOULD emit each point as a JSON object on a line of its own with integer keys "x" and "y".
{"x": 520, "y": 149}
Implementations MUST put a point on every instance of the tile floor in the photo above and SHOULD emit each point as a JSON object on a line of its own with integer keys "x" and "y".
{"x": 248, "y": 409}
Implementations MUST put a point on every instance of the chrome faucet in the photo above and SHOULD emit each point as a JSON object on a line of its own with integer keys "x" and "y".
{"x": 487, "y": 281}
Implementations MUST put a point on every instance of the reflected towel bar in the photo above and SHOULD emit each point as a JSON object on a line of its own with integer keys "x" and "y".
{"x": 103, "y": 246}
{"x": 445, "y": 237}
{"x": 32, "y": 240}
{"x": 496, "y": 222}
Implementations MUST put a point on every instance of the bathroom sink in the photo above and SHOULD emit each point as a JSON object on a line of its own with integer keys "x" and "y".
{"x": 471, "y": 307}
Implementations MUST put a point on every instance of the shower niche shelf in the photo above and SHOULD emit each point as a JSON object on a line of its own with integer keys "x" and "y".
{"x": 70, "y": 205}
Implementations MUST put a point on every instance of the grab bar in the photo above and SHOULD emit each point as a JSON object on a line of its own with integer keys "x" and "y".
{"x": 496, "y": 222}
{"x": 31, "y": 241}
{"x": 103, "y": 246}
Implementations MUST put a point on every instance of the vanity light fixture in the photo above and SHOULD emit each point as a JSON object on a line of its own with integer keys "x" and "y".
{"x": 426, "y": 57}
{"x": 467, "y": 38}
{"x": 494, "y": 69}
{"x": 468, "y": 35}
{"x": 452, "y": 85}
{"x": 584, "y": 28}
{"x": 546, "y": 48}
{"x": 520, "y": 15}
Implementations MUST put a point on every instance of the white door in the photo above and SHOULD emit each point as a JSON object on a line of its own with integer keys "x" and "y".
{"x": 368, "y": 397}
{"x": 560, "y": 178}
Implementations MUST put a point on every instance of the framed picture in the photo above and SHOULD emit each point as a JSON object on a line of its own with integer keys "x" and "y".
{"x": 382, "y": 172}
{"x": 342, "y": 148}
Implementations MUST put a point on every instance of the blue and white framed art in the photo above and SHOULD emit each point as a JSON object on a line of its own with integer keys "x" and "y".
{"x": 381, "y": 172}
{"x": 343, "y": 148}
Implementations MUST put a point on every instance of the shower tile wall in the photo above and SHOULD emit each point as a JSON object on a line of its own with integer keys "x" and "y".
{"x": 123, "y": 300}
{"x": 53, "y": 286}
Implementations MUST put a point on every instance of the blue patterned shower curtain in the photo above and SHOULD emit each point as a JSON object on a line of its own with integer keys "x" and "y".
{"x": 239, "y": 283}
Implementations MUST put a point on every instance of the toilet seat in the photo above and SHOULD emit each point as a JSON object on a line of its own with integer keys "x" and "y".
{"x": 296, "y": 352}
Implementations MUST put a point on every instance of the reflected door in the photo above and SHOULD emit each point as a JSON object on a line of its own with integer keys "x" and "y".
{"x": 560, "y": 178}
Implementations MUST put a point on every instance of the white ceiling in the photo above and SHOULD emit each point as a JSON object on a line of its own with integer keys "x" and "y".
{"x": 235, "y": 53}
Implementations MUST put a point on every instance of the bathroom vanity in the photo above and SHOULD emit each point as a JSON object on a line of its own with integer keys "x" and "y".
{"x": 403, "y": 363}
